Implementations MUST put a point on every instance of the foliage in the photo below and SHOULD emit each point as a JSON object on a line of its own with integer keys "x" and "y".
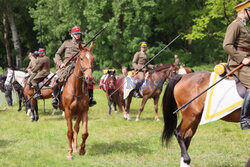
{"x": 202, "y": 23}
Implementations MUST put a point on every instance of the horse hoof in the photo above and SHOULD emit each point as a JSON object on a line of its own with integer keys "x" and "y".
{"x": 18, "y": 110}
{"x": 157, "y": 119}
{"x": 33, "y": 120}
{"x": 69, "y": 157}
{"x": 82, "y": 152}
{"x": 116, "y": 111}
{"x": 137, "y": 119}
{"x": 74, "y": 151}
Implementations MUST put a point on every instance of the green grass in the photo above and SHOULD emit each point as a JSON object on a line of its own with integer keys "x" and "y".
{"x": 115, "y": 142}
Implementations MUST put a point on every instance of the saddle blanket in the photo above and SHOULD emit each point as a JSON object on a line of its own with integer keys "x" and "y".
{"x": 182, "y": 71}
{"x": 130, "y": 85}
{"x": 221, "y": 100}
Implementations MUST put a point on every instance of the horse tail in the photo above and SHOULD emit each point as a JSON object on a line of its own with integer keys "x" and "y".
{"x": 169, "y": 106}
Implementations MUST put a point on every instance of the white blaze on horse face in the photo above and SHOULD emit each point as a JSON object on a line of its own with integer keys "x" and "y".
{"x": 88, "y": 55}
{"x": 10, "y": 74}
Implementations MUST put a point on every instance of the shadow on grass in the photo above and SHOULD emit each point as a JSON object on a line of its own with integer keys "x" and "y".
{"x": 119, "y": 147}
{"x": 5, "y": 143}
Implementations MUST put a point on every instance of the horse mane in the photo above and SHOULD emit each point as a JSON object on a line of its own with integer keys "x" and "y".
{"x": 161, "y": 67}
{"x": 17, "y": 69}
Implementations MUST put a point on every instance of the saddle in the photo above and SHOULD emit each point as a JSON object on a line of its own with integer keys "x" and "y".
{"x": 49, "y": 83}
{"x": 241, "y": 89}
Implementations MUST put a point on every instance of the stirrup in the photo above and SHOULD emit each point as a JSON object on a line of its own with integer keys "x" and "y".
{"x": 245, "y": 124}
{"x": 137, "y": 94}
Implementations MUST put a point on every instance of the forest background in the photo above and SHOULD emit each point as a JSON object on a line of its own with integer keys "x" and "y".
{"x": 26, "y": 25}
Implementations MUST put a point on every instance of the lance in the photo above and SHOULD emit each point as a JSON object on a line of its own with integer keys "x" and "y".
{"x": 148, "y": 62}
{"x": 66, "y": 63}
{"x": 228, "y": 74}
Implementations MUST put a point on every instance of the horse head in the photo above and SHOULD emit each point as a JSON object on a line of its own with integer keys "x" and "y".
{"x": 13, "y": 75}
{"x": 111, "y": 80}
{"x": 86, "y": 62}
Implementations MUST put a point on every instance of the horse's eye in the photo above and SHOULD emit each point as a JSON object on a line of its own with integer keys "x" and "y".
{"x": 81, "y": 58}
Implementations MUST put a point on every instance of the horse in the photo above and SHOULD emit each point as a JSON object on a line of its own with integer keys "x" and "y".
{"x": 8, "y": 91}
{"x": 152, "y": 89}
{"x": 108, "y": 86}
{"x": 75, "y": 98}
{"x": 180, "y": 90}
{"x": 19, "y": 76}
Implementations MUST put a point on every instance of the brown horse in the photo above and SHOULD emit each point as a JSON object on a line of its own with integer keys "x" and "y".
{"x": 109, "y": 87}
{"x": 152, "y": 88}
{"x": 29, "y": 92}
{"x": 75, "y": 98}
{"x": 180, "y": 90}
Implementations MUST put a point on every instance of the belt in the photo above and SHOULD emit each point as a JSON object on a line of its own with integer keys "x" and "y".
{"x": 74, "y": 59}
{"x": 243, "y": 49}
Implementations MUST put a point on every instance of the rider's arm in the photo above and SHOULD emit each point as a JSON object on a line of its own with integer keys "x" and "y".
{"x": 59, "y": 54}
{"x": 135, "y": 61}
{"x": 232, "y": 33}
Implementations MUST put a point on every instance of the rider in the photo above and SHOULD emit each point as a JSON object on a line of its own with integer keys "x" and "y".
{"x": 68, "y": 48}
{"x": 237, "y": 45}
{"x": 177, "y": 61}
{"x": 139, "y": 60}
{"x": 40, "y": 71}
{"x": 32, "y": 62}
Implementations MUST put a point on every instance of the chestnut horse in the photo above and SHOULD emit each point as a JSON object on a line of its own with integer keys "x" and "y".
{"x": 75, "y": 98}
{"x": 19, "y": 76}
{"x": 152, "y": 89}
{"x": 180, "y": 90}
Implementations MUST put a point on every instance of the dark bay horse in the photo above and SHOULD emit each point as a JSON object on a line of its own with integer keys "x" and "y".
{"x": 152, "y": 88}
{"x": 109, "y": 86}
{"x": 180, "y": 90}
{"x": 75, "y": 98}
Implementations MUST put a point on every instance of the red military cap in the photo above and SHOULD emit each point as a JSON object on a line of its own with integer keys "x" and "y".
{"x": 76, "y": 30}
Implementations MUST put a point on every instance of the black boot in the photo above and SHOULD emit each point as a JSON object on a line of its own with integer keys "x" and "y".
{"x": 54, "y": 96}
{"x": 38, "y": 93}
{"x": 245, "y": 113}
{"x": 92, "y": 102}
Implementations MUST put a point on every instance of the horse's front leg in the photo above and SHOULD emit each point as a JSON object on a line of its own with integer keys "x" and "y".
{"x": 84, "y": 132}
{"x": 76, "y": 130}
{"x": 129, "y": 99}
{"x": 144, "y": 100}
{"x": 109, "y": 103}
{"x": 156, "y": 100}
{"x": 32, "y": 109}
{"x": 36, "y": 110}
{"x": 69, "y": 133}
{"x": 114, "y": 102}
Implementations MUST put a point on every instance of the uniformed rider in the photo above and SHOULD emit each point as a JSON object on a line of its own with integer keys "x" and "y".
{"x": 69, "y": 48}
{"x": 32, "y": 62}
{"x": 40, "y": 71}
{"x": 139, "y": 60}
{"x": 237, "y": 45}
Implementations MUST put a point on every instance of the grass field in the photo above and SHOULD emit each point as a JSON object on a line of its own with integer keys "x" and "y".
{"x": 115, "y": 142}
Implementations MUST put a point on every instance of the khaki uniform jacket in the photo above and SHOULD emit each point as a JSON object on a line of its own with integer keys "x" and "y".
{"x": 140, "y": 58}
{"x": 42, "y": 67}
{"x": 68, "y": 48}
{"x": 177, "y": 62}
{"x": 238, "y": 35}
{"x": 32, "y": 63}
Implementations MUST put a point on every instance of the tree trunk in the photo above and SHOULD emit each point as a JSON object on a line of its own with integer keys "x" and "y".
{"x": 15, "y": 37}
{"x": 6, "y": 38}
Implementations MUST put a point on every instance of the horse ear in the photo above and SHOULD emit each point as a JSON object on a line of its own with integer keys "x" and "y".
{"x": 91, "y": 46}
{"x": 80, "y": 46}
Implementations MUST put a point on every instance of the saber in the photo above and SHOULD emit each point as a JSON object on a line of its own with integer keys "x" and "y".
{"x": 66, "y": 63}
{"x": 148, "y": 62}
{"x": 228, "y": 74}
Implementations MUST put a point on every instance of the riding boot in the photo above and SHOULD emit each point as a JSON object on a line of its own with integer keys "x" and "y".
{"x": 92, "y": 102}
{"x": 38, "y": 93}
{"x": 137, "y": 89}
{"x": 245, "y": 113}
{"x": 54, "y": 96}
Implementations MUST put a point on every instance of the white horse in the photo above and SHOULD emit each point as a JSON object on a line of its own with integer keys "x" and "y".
{"x": 19, "y": 76}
